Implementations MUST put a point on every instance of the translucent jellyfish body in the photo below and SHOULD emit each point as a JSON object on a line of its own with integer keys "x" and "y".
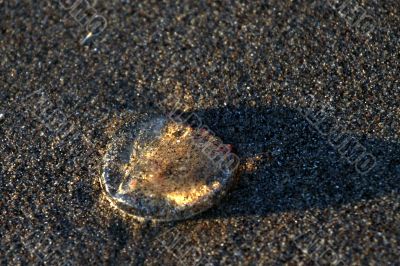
{"x": 159, "y": 169}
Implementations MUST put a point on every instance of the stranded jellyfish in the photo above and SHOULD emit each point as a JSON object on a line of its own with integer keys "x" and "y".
{"x": 159, "y": 169}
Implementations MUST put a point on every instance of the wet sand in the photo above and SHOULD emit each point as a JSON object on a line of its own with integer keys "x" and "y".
{"x": 250, "y": 72}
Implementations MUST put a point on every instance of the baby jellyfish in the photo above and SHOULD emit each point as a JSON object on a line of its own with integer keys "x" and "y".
{"x": 160, "y": 169}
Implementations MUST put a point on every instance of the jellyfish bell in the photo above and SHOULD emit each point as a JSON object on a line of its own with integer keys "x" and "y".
{"x": 155, "y": 169}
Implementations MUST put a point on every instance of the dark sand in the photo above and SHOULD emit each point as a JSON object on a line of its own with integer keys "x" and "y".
{"x": 246, "y": 69}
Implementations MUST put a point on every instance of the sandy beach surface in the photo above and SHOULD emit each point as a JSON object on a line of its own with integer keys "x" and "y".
{"x": 307, "y": 93}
